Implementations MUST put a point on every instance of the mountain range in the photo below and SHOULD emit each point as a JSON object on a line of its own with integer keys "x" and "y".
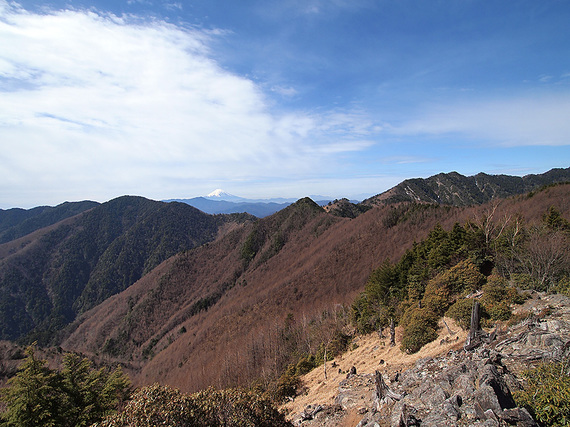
{"x": 191, "y": 299}
{"x": 221, "y": 202}
{"x": 459, "y": 190}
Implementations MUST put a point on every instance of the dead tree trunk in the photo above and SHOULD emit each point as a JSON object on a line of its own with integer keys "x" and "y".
{"x": 449, "y": 331}
{"x": 325, "y": 363}
{"x": 383, "y": 392}
{"x": 392, "y": 333}
{"x": 473, "y": 339}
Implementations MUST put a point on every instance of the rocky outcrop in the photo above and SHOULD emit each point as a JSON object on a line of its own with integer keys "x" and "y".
{"x": 459, "y": 388}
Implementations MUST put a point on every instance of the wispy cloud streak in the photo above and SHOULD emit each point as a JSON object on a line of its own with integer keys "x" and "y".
{"x": 522, "y": 121}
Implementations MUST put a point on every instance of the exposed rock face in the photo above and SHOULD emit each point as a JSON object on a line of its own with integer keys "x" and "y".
{"x": 461, "y": 388}
{"x": 455, "y": 389}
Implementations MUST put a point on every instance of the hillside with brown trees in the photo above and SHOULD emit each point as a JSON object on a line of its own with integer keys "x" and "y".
{"x": 239, "y": 309}
{"x": 76, "y": 255}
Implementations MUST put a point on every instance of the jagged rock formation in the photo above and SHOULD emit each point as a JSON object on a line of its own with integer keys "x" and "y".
{"x": 459, "y": 388}
{"x": 459, "y": 190}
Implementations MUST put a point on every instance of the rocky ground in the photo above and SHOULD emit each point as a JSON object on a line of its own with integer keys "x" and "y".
{"x": 449, "y": 387}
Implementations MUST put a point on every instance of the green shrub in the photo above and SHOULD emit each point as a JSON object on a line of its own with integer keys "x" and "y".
{"x": 563, "y": 286}
{"x": 547, "y": 393}
{"x": 499, "y": 311}
{"x": 525, "y": 281}
{"x": 337, "y": 345}
{"x": 305, "y": 365}
{"x": 77, "y": 396}
{"x": 440, "y": 290}
{"x": 286, "y": 386}
{"x": 497, "y": 298}
{"x": 420, "y": 328}
{"x": 162, "y": 405}
{"x": 460, "y": 311}
{"x": 495, "y": 289}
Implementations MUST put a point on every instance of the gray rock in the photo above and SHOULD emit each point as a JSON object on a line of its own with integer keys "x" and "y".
{"x": 407, "y": 417}
{"x": 310, "y": 411}
{"x": 485, "y": 400}
{"x": 519, "y": 417}
{"x": 489, "y": 376}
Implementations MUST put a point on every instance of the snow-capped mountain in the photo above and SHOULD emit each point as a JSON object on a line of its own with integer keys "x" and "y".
{"x": 219, "y": 201}
{"x": 220, "y": 194}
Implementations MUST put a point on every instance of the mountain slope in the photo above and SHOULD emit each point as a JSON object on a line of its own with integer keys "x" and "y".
{"x": 212, "y": 315}
{"x": 458, "y": 190}
{"x": 48, "y": 277}
{"x": 15, "y": 223}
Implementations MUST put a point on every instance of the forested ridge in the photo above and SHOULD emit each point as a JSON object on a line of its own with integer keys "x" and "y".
{"x": 495, "y": 254}
{"x": 51, "y": 276}
{"x": 15, "y": 223}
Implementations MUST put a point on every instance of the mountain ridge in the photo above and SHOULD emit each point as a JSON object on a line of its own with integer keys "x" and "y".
{"x": 82, "y": 260}
{"x": 455, "y": 189}
{"x": 221, "y": 202}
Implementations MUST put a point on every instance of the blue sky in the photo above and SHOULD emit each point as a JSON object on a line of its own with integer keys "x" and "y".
{"x": 172, "y": 99}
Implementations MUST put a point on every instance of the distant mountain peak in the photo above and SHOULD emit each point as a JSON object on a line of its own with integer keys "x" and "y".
{"x": 219, "y": 193}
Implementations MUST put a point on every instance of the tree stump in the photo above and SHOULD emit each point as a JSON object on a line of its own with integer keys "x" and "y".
{"x": 382, "y": 391}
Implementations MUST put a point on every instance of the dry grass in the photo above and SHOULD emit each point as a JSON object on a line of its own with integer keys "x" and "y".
{"x": 371, "y": 354}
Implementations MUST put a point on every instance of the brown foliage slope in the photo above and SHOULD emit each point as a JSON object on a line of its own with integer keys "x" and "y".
{"x": 321, "y": 260}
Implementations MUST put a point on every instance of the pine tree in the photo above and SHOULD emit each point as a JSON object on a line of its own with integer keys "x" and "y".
{"x": 77, "y": 396}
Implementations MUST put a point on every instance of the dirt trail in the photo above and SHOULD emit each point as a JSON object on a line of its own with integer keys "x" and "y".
{"x": 370, "y": 354}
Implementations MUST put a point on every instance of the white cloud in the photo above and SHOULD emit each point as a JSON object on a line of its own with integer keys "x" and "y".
{"x": 173, "y": 6}
{"x": 404, "y": 160}
{"x": 285, "y": 91}
{"x": 93, "y": 101}
{"x": 524, "y": 121}
{"x": 545, "y": 78}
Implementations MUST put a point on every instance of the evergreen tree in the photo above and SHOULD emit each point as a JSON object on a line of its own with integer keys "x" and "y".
{"x": 34, "y": 396}
{"x": 76, "y": 396}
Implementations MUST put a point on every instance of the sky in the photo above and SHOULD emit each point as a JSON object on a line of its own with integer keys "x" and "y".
{"x": 275, "y": 98}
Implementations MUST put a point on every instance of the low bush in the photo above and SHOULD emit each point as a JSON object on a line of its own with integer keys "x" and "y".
{"x": 286, "y": 386}
{"x": 498, "y": 311}
{"x": 162, "y": 405}
{"x": 525, "y": 281}
{"x": 460, "y": 311}
{"x": 547, "y": 393}
{"x": 497, "y": 298}
{"x": 420, "y": 328}
{"x": 440, "y": 291}
{"x": 305, "y": 365}
{"x": 563, "y": 286}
